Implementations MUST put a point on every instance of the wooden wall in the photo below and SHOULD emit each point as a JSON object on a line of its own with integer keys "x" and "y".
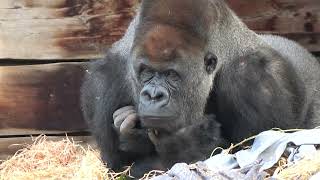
{"x": 43, "y": 45}
{"x": 61, "y": 29}
{"x": 295, "y": 19}
{"x": 75, "y": 29}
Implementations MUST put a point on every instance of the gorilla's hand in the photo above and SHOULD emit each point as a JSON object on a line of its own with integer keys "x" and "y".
{"x": 125, "y": 119}
{"x": 131, "y": 138}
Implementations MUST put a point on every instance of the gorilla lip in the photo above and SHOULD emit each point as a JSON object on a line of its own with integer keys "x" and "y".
{"x": 156, "y": 121}
{"x": 156, "y": 118}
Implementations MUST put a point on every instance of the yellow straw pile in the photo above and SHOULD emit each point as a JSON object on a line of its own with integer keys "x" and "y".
{"x": 63, "y": 159}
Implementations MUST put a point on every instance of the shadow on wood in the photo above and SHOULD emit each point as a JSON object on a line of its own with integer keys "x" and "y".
{"x": 41, "y": 97}
{"x": 294, "y": 19}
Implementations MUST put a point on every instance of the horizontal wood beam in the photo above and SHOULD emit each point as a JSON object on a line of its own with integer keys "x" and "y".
{"x": 62, "y": 29}
{"x": 11, "y": 132}
{"x": 75, "y": 29}
{"x": 298, "y": 20}
{"x": 41, "y": 97}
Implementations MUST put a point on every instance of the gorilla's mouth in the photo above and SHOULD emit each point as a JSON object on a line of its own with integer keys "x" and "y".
{"x": 157, "y": 122}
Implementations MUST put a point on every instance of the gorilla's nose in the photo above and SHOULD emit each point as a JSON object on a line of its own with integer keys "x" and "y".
{"x": 155, "y": 95}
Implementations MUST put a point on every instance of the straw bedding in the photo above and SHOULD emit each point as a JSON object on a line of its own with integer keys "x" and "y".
{"x": 63, "y": 159}
{"x": 66, "y": 159}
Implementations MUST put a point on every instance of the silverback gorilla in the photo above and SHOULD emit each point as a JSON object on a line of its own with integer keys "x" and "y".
{"x": 189, "y": 76}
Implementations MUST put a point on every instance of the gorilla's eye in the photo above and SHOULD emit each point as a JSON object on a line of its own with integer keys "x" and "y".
{"x": 210, "y": 62}
{"x": 172, "y": 76}
{"x": 146, "y": 75}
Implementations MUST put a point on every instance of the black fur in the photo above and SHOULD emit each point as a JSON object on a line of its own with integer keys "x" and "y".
{"x": 257, "y": 92}
{"x": 103, "y": 92}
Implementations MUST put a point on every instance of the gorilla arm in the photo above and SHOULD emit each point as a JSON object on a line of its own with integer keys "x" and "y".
{"x": 106, "y": 89}
{"x": 190, "y": 143}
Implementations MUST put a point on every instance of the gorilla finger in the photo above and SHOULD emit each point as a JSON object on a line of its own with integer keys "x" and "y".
{"x": 129, "y": 123}
{"x": 120, "y": 118}
{"x": 121, "y": 110}
{"x": 152, "y": 136}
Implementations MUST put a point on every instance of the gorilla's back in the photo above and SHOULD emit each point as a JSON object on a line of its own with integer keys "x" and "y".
{"x": 307, "y": 68}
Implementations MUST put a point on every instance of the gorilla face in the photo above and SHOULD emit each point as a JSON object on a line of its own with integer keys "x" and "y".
{"x": 158, "y": 102}
{"x": 172, "y": 68}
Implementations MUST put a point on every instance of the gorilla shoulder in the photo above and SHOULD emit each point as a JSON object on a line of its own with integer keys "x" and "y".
{"x": 307, "y": 67}
{"x": 258, "y": 91}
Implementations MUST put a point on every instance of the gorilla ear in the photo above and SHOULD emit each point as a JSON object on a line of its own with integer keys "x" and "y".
{"x": 210, "y": 62}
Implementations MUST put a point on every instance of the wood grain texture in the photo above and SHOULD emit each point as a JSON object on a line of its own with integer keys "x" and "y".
{"x": 41, "y": 97}
{"x": 11, "y": 132}
{"x": 295, "y": 19}
{"x": 61, "y": 29}
{"x": 78, "y": 29}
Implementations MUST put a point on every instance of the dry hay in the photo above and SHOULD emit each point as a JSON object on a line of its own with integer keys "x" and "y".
{"x": 63, "y": 159}
{"x": 152, "y": 174}
{"x": 302, "y": 170}
{"x": 66, "y": 159}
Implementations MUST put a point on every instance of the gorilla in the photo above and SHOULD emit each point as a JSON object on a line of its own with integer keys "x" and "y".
{"x": 189, "y": 76}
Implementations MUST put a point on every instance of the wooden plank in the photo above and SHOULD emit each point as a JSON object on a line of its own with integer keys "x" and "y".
{"x": 261, "y": 8}
{"x": 63, "y": 29}
{"x": 10, "y": 132}
{"x": 9, "y": 146}
{"x": 282, "y": 16}
{"x": 75, "y": 29}
{"x": 295, "y": 19}
{"x": 41, "y": 97}
{"x": 11, "y": 4}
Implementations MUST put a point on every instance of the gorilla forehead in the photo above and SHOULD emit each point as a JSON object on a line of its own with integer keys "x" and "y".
{"x": 162, "y": 43}
{"x": 187, "y": 14}
{"x": 174, "y": 29}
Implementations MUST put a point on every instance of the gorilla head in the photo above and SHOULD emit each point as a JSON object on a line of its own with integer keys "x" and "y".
{"x": 172, "y": 63}
{"x": 147, "y": 97}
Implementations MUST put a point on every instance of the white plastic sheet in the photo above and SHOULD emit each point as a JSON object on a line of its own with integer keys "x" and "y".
{"x": 265, "y": 152}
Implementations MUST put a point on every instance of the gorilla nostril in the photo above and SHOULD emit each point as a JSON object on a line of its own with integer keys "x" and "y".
{"x": 146, "y": 95}
{"x": 156, "y": 95}
{"x": 159, "y": 97}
